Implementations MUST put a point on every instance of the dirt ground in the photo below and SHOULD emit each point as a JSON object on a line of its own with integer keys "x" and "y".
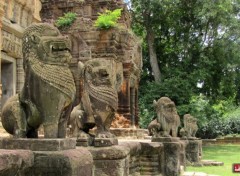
{"x": 3, "y": 133}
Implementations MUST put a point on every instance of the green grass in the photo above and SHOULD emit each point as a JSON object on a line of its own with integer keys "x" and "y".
{"x": 228, "y": 154}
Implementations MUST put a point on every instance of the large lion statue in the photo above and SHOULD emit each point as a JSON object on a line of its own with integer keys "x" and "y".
{"x": 49, "y": 89}
{"x": 101, "y": 82}
{"x": 190, "y": 126}
{"x": 167, "y": 121}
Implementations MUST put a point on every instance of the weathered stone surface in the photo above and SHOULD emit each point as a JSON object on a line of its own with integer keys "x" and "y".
{"x": 190, "y": 126}
{"x": 152, "y": 158}
{"x": 90, "y": 43}
{"x": 99, "y": 101}
{"x": 84, "y": 142}
{"x": 167, "y": 121}
{"x": 134, "y": 147}
{"x": 15, "y": 162}
{"x": 212, "y": 163}
{"x": 112, "y": 167}
{"x": 193, "y": 151}
{"x": 37, "y": 144}
{"x": 165, "y": 139}
{"x": 104, "y": 142}
{"x": 111, "y": 160}
{"x": 131, "y": 133}
{"x": 172, "y": 158}
{"x": 49, "y": 89}
{"x": 183, "y": 161}
{"x": 129, "y": 159}
{"x": 75, "y": 162}
{"x": 109, "y": 153}
{"x": 15, "y": 15}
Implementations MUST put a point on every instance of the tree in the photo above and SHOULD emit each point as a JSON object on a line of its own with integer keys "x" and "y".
{"x": 144, "y": 14}
{"x": 197, "y": 48}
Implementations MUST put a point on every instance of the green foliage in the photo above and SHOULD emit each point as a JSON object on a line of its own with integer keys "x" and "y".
{"x": 66, "y": 20}
{"x": 108, "y": 19}
{"x": 219, "y": 123}
{"x": 197, "y": 45}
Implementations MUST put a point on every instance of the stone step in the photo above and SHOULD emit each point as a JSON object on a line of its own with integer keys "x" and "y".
{"x": 196, "y": 174}
{"x": 212, "y": 163}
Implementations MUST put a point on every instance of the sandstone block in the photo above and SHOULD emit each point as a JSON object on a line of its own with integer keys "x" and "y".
{"x": 15, "y": 162}
{"x": 40, "y": 144}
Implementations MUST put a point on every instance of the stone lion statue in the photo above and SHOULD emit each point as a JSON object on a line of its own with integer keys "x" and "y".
{"x": 49, "y": 89}
{"x": 167, "y": 121}
{"x": 190, "y": 126}
{"x": 99, "y": 100}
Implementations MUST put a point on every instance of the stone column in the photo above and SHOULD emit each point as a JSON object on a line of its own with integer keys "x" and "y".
{"x": 136, "y": 108}
{"x": 20, "y": 75}
{"x": 1, "y": 15}
{"x": 132, "y": 105}
{"x": 172, "y": 152}
{"x": 124, "y": 95}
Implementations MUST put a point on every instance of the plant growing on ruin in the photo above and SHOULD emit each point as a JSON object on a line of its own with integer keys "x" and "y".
{"x": 108, "y": 19}
{"x": 66, "y": 20}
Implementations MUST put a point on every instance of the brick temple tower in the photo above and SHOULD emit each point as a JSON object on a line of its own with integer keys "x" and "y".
{"x": 88, "y": 43}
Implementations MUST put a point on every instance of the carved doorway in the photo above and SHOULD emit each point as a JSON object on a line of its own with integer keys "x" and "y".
{"x": 8, "y": 78}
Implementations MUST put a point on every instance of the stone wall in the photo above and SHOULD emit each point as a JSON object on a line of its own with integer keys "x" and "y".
{"x": 221, "y": 141}
{"x": 15, "y": 16}
{"x": 129, "y": 158}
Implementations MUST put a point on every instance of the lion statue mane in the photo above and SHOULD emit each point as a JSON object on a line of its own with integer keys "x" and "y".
{"x": 99, "y": 101}
{"x": 190, "y": 126}
{"x": 49, "y": 89}
{"x": 167, "y": 122}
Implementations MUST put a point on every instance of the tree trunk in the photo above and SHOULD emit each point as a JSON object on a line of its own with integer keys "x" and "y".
{"x": 153, "y": 56}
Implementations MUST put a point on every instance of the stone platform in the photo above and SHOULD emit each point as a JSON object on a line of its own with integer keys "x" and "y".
{"x": 165, "y": 139}
{"x": 39, "y": 144}
{"x": 41, "y": 157}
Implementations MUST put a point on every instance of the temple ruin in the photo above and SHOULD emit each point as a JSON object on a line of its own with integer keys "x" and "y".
{"x": 89, "y": 43}
{"x": 15, "y": 16}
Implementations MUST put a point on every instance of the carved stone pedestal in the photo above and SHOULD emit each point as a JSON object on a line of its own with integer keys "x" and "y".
{"x": 172, "y": 158}
{"x": 110, "y": 160}
{"x": 105, "y": 142}
{"x": 129, "y": 133}
{"x": 84, "y": 142}
{"x": 37, "y": 144}
{"x": 71, "y": 162}
{"x": 193, "y": 147}
{"x": 165, "y": 139}
{"x": 44, "y": 157}
{"x": 97, "y": 142}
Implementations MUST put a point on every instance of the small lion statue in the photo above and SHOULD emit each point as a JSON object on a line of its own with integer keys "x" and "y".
{"x": 167, "y": 121}
{"x": 190, "y": 126}
{"x": 99, "y": 100}
{"x": 49, "y": 89}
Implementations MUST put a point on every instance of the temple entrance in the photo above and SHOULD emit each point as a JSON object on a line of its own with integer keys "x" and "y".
{"x": 8, "y": 78}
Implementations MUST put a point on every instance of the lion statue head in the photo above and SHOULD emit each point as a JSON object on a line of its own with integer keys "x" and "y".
{"x": 99, "y": 101}
{"x": 167, "y": 116}
{"x": 190, "y": 126}
{"x": 49, "y": 89}
{"x": 46, "y": 54}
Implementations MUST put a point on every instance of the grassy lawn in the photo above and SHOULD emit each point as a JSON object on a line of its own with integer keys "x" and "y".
{"x": 228, "y": 154}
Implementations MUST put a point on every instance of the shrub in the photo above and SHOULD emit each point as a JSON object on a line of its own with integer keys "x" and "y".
{"x": 108, "y": 19}
{"x": 229, "y": 123}
{"x": 66, "y": 20}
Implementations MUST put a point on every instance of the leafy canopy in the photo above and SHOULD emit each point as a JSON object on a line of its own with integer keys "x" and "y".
{"x": 197, "y": 46}
{"x": 108, "y": 19}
